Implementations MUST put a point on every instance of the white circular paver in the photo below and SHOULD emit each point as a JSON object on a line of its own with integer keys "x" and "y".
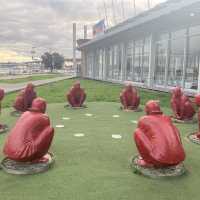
{"x": 60, "y": 126}
{"x": 116, "y": 136}
{"x": 88, "y": 115}
{"x": 115, "y": 116}
{"x": 79, "y": 135}
{"x": 66, "y": 118}
{"x": 134, "y": 121}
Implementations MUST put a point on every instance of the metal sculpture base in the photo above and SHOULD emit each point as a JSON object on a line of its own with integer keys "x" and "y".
{"x": 131, "y": 110}
{"x": 27, "y": 168}
{"x": 178, "y": 121}
{"x": 16, "y": 113}
{"x": 75, "y": 108}
{"x": 156, "y": 173}
{"x": 193, "y": 138}
{"x": 3, "y": 129}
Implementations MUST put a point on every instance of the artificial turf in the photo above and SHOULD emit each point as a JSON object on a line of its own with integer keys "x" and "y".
{"x": 96, "y": 167}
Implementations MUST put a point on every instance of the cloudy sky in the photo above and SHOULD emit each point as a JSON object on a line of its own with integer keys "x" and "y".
{"x": 47, "y": 24}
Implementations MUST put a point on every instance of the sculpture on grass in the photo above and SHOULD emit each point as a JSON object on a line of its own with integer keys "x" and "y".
{"x": 3, "y": 127}
{"x": 25, "y": 98}
{"x": 76, "y": 96}
{"x": 195, "y": 137}
{"x": 158, "y": 142}
{"x": 129, "y": 98}
{"x": 28, "y": 142}
{"x": 181, "y": 106}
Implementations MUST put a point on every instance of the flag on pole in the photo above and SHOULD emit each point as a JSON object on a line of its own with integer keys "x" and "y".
{"x": 99, "y": 28}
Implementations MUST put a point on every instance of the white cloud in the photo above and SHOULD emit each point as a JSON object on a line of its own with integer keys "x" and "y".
{"x": 47, "y": 24}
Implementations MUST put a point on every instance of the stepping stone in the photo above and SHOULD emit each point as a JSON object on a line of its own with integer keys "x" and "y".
{"x": 115, "y": 116}
{"x": 79, "y": 135}
{"x": 88, "y": 115}
{"x": 134, "y": 121}
{"x": 60, "y": 126}
{"x": 116, "y": 136}
{"x": 66, "y": 118}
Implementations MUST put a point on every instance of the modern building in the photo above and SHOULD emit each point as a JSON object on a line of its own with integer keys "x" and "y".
{"x": 158, "y": 49}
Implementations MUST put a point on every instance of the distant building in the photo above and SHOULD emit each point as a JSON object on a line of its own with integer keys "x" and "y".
{"x": 158, "y": 49}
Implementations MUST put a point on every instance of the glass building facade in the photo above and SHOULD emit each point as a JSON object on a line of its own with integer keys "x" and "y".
{"x": 160, "y": 59}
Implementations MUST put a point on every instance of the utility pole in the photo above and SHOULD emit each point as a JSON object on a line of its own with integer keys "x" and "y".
{"x": 74, "y": 47}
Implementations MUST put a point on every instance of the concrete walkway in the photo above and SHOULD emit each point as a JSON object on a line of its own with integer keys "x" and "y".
{"x": 18, "y": 86}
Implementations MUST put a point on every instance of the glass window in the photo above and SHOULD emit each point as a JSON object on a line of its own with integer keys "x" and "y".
{"x": 161, "y": 59}
{"x": 193, "y": 59}
{"x": 129, "y": 60}
{"x": 176, "y": 59}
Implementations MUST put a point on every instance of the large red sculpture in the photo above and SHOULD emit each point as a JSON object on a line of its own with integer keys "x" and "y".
{"x": 197, "y": 101}
{"x": 129, "y": 98}
{"x": 25, "y": 98}
{"x": 76, "y": 96}
{"x": 157, "y": 139}
{"x": 30, "y": 139}
{"x": 181, "y": 105}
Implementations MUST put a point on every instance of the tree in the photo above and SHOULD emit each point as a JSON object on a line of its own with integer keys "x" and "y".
{"x": 52, "y": 61}
{"x": 47, "y": 60}
{"x": 58, "y": 60}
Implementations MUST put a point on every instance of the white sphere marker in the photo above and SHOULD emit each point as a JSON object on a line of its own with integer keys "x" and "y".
{"x": 88, "y": 115}
{"x": 116, "y": 136}
{"x": 115, "y": 116}
{"x": 66, "y": 118}
{"x": 79, "y": 135}
{"x": 60, "y": 126}
{"x": 134, "y": 121}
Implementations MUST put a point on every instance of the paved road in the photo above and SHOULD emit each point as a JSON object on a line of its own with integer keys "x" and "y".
{"x": 18, "y": 86}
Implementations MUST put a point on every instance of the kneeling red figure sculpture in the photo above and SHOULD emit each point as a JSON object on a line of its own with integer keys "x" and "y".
{"x": 30, "y": 139}
{"x": 25, "y": 98}
{"x": 76, "y": 96}
{"x": 181, "y": 105}
{"x": 129, "y": 98}
{"x": 197, "y": 101}
{"x": 157, "y": 139}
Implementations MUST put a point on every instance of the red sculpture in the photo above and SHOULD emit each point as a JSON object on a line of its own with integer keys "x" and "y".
{"x": 1, "y": 98}
{"x": 129, "y": 98}
{"x": 197, "y": 101}
{"x": 157, "y": 139}
{"x": 181, "y": 105}
{"x": 25, "y": 98}
{"x": 76, "y": 95}
{"x": 32, "y": 135}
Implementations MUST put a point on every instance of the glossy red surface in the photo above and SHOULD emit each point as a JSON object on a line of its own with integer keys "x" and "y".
{"x": 76, "y": 96}
{"x": 31, "y": 137}
{"x": 25, "y": 98}
{"x": 181, "y": 105}
{"x": 158, "y": 140}
{"x": 129, "y": 98}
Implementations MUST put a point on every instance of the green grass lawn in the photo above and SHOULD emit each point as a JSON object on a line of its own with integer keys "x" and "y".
{"x": 96, "y": 167}
{"x": 96, "y": 91}
{"x": 30, "y": 78}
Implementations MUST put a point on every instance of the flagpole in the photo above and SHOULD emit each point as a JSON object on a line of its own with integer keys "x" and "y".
{"x": 148, "y": 4}
{"x": 134, "y": 7}
{"x": 106, "y": 14}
